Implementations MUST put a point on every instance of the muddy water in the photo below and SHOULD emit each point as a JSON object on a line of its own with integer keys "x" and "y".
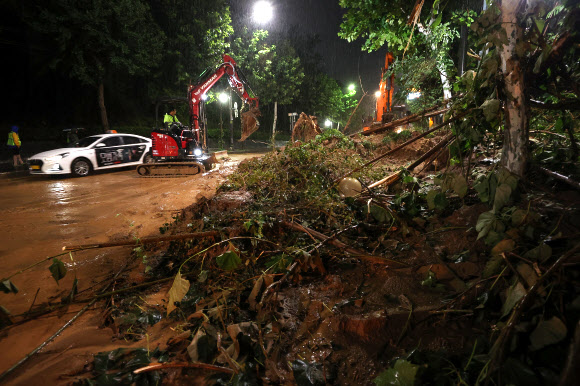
{"x": 40, "y": 215}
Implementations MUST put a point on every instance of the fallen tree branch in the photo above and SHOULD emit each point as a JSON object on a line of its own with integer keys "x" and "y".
{"x": 560, "y": 177}
{"x": 395, "y": 177}
{"x": 354, "y": 111}
{"x": 401, "y": 146}
{"x": 339, "y": 244}
{"x": 400, "y": 122}
{"x": 148, "y": 240}
{"x": 204, "y": 366}
{"x": 56, "y": 334}
{"x": 498, "y": 349}
{"x": 564, "y": 105}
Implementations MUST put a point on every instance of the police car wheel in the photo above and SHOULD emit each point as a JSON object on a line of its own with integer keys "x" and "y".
{"x": 81, "y": 168}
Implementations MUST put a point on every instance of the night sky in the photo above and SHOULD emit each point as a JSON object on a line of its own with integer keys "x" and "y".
{"x": 344, "y": 61}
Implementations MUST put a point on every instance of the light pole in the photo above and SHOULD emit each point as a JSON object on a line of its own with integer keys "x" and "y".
{"x": 224, "y": 98}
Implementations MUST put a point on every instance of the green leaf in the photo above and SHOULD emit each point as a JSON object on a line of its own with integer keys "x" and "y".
{"x": 403, "y": 373}
{"x": 308, "y": 374}
{"x": 547, "y": 332}
{"x": 493, "y": 266}
{"x": 431, "y": 198}
{"x": 177, "y": 292}
{"x": 228, "y": 261}
{"x": 541, "y": 253}
{"x": 514, "y": 294}
{"x": 502, "y": 196}
{"x": 57, "y": 269}
{"x": 460, "y": 185}
{"x": 485, "y": 223}
{"x": 490, "y": 108}
{"x": 380, "y": 214}
{"x": 7, "y": 286}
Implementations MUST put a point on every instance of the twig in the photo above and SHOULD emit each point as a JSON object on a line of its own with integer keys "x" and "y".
{"x": 498, "y": 349}
{"x": 204, "y": 366}
{"x": 149, "y": 240}
{"x": 560, "y": 177}
{"x": 354, "y": 111}
{"x": 355, "y": 252}
{"x": 67, "y": 324}
{"x": 570, "y": 374}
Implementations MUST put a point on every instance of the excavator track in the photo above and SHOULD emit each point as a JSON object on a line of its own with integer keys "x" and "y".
{"x": 170, "y": 169}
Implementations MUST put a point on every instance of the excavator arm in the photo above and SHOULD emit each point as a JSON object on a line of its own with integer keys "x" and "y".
{"x": 238, "y": 82}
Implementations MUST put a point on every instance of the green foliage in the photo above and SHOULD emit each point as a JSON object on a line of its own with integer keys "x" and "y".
{"x": 57, "y": 269}
{"x": 94, "y": 38}
{"x": 228, "y": 261}
{"x": 274, "y": 72}
{"x": 403, "y": 373}
{"x": 7, "y": 286}
{"x": 117, "y": 366}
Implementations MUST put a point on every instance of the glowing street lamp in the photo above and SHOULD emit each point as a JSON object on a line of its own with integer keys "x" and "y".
{"x": 378, "y": 94}
{"x": 223, "y": 97}
{"x": 263, "y": 12}
{"x": 328, "y": 123}
{"x": 351, "y": 88}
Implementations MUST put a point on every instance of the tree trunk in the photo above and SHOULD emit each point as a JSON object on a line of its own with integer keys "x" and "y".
{"x": 102, "y": 107}
{"x": 515, "y": 146}
{"x": 274, "y": 124}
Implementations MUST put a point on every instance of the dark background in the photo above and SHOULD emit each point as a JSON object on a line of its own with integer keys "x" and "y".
{"x": 38, "y": 98}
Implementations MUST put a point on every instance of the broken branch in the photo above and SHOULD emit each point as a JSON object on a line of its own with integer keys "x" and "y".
{"x": 204, "y": 366}
{"x": 149, "y": 240}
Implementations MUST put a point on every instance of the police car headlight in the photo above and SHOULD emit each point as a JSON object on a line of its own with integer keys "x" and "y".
{"x": 56, "y": 158}
{"x": 197, "y": 152}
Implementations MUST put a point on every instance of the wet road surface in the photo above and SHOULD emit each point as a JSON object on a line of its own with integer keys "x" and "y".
{"x": 39, "y": 215}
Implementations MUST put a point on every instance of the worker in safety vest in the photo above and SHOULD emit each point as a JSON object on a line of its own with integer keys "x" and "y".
{"x": 14, "y": 144}
{"x": 170, "y": 118}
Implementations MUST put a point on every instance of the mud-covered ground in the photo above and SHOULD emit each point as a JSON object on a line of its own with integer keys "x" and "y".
{"x": 39, "y": 215}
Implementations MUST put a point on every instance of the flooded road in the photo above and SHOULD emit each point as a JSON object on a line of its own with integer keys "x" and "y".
{"x": 39, "y": 215}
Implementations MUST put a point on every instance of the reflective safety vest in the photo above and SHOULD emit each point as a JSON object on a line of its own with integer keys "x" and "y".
{"x": 170, "y": 119}
{"x": 13, "y": 139}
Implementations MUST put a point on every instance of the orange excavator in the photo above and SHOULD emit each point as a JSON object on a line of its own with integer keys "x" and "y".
{"x": 384, "y": 111}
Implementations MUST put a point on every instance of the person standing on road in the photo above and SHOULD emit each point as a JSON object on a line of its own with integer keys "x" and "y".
{"x": 72, "y": 137}
{"x": 170, "y": 118}
{"x": 14, "y": 144}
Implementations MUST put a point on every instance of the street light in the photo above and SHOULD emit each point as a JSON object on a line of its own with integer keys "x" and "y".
{"x": 328, "y": 123}
{"x": 223, "y": 97}
{"x": 378, "y": 94}
{"x": 263, "y": 12}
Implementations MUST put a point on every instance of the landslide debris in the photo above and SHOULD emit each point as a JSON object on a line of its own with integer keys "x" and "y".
{"x": 415, "y": 281}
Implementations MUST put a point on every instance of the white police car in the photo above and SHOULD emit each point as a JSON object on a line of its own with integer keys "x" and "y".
{"x": 97, "y": 152}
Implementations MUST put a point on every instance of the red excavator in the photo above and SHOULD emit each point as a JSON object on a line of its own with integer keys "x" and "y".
{"x": 182, "y": 150}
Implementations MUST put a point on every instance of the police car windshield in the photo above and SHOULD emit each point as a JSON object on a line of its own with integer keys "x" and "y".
{"x": 88, "y": 141}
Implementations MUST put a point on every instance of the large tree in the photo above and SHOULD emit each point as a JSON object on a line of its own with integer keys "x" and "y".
{"x": 520, "y": 38}
{"x": 274, "y": 71}
{"x": 93, "y": 38}
{"x": 198, "y": 34}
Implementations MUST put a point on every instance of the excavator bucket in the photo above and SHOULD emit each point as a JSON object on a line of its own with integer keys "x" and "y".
{"x": 250, "y": 122}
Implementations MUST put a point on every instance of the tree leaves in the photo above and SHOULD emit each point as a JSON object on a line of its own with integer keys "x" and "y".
{"x": 490, "y": 109}
{"x": 513, "y": 296}
{"x": 547, "y": 332}
{"x": 177, "y": 292}
{"x": 57, "y": 269}
{"x": 7, "y": 287}
{"x": 228, "y": 261}
{"x": 403, "y": 373}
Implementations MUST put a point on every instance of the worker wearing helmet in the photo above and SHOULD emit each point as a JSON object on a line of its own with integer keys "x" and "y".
{"x": 170, "y": 118}
{"x": 14, "y": 144}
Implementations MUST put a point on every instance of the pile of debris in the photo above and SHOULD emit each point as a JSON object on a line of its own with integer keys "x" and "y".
{"x": 285, "y": 278}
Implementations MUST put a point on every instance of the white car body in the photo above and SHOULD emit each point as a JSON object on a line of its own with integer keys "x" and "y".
{"x": 96, "y": 152}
